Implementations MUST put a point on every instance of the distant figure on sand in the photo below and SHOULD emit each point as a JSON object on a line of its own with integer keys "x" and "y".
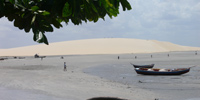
{"x": 196, "y": 53}
{"x": 118, "y": 57}
{"x": 65, "y": 67}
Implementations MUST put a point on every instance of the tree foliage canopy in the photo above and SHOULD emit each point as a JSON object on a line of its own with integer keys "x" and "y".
{"x": 41, "y": 15}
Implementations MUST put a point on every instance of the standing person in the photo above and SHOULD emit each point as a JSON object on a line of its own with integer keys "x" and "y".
{"x": 196, "y": 53}
{"x": 65, "y": 67}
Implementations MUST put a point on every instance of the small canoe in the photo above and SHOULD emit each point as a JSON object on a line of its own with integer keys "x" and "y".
{"x": 156, "y": 71}
{"x": 143, "y": 66}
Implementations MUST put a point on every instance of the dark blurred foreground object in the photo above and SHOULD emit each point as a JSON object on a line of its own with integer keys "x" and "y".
{"x": 106, "y": 98}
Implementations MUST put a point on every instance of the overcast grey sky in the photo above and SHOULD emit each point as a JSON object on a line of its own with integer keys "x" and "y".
{"x": 176, "y": 21}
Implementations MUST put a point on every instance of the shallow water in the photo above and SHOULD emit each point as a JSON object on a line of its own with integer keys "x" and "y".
{"x": 183, "y": 87}
{"x": 194, "y": 99}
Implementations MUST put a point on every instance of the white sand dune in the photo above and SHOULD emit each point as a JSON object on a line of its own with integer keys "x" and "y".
{"x": 97, "y": 46}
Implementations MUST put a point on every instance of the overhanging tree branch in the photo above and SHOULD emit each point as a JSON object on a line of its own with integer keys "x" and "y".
{"x": 41, "y": 15}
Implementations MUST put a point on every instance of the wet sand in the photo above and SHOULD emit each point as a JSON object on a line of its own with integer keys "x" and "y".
{"x": 181, "y": 87}
{"x": 90, "y": 76}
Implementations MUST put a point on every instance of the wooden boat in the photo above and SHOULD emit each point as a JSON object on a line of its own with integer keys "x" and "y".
{"x": 143, "y": 66}
{"x": 156, "y": 71}
{"x": 37, "y": 56}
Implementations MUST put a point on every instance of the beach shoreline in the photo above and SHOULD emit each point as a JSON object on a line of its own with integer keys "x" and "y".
{"x": 89, "y": 76}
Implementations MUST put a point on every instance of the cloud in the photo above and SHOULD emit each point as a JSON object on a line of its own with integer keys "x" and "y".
{"x": 11, "y": 36}
{"x": 157, "y": 16}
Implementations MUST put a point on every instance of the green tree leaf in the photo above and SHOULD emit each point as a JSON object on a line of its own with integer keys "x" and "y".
{"x": 12, "y": 1}
{"x": 67, "y": 11}
{"x": 40, "y": 38}
{"x": 125, "y": 5}
{"x": 45, "y": 13}
{"x": 56, "y": 23}
{"x": 34, "y": 8}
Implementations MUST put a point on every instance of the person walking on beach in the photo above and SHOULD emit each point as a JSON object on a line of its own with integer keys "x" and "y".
{"x": 65, "y": 67}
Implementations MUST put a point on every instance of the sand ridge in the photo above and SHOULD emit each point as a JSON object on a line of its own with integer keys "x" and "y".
{"x": 97, "y": 46}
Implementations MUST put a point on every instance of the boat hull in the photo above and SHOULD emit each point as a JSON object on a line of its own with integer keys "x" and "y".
{"x": 146, "y": 72}
{"x": 143, "y": 66}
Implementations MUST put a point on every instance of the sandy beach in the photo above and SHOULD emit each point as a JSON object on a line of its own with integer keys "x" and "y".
{"x": 90, "y": 76}
{"x": 94, "y": 70}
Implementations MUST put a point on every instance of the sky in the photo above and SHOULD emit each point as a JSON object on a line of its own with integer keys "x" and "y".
{"x": 175, "y": 21}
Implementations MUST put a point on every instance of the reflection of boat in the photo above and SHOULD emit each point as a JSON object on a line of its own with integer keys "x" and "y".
{"x": 157, "y": 71}
{"x": 143, "y": 66}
